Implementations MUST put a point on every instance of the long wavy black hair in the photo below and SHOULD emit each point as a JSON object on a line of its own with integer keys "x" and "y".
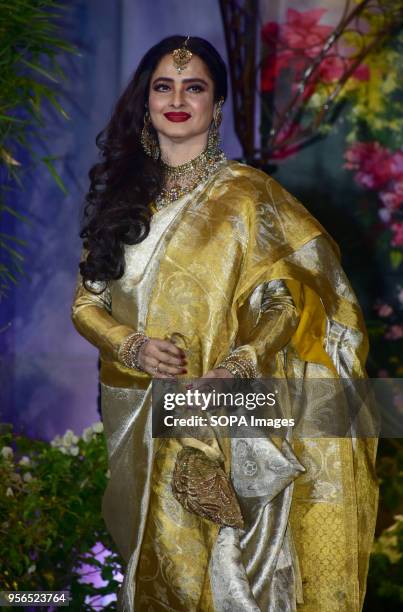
{"x": 125, "y": 180}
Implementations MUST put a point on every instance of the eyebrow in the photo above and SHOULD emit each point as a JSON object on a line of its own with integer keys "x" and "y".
{"x": 191, "y": 80}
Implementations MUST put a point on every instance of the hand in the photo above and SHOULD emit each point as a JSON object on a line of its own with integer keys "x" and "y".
{"x": 164, "y": 355}
{"x": 203, "y": 386}
{"x": 218, "y": 373}
{"x": 214, "y": 373}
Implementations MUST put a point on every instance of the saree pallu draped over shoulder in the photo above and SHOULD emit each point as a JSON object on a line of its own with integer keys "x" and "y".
{"x": 309, "y": 526}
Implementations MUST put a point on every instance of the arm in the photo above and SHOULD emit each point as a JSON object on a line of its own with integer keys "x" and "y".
{"x": 266, "y": 323}
{"x": 91, "y": 316}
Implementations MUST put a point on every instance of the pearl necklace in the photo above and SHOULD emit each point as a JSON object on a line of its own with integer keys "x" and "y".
{"x": 182, "y": 179}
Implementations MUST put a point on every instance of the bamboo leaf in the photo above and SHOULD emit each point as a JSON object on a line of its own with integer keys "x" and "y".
{"x": 13, "y": 119}
{"x": 13, "y": 212}
{"x": 39, "y": 69}
{"x": 9, "y": 275}
{"x": 13, "y": 252}
{"x": 8, "y": 158}
{"x": 48, "y": 162}
{"x": 30, "y": 68}
{"x": 51, "y": 97}
{"x": 13, "y": 239}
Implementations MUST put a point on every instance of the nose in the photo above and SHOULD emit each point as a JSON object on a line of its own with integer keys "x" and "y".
{"x": 177, "y": 98}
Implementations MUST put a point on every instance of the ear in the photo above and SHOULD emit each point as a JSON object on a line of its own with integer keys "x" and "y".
{"x": 218, "y": 109}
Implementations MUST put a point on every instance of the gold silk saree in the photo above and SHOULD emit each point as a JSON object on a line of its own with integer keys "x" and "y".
{"x": 203, "y": 271}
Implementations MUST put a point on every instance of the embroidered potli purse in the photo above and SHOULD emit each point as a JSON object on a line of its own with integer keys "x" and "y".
{"x": 202, "y": 487}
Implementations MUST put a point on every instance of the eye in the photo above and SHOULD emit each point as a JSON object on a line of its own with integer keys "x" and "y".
{"x": 161, "y": 87}
{"x": 195, "y": 88}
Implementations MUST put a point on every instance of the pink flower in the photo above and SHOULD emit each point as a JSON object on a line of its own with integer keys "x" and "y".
{"x": 397, "y": 239}
{"x": 298, "y": 41}
{"x": 303, "y": 33}
{"x": 271, "y": 67}
{"x": 384, "y": 310}
{"x": 270, "y": 32}
{"x": 360, "y": 152}
{"x": 395, "y": 332}
{"x": 288, "y": 131}
{"x": 292, "y": 43}
{"x": 361, "y": 73}
{"x": 306, "y": 19}
{"x": 385, "y": 215}
{"x": 373, "y": 163}
{"x": 268, "y": 75}
{"x": 331, "y": 69}
{"x": 391, "y": 199}
{"x": 397, "y": 165}
{"x": 392, "y": 196}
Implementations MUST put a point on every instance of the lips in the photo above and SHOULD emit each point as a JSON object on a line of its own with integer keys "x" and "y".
{"x": 177, "y": 117}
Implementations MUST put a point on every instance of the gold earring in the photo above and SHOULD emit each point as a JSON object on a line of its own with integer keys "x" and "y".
{"x": 148, "y": 139}
{"x": 214, "y": 139}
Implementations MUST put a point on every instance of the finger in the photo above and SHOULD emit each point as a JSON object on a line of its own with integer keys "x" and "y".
{"x": 166, "y": 359}
{"x": 169, "y": 347}
{"x": 171, "y": 369}
{"x": 154, "y": 351}
{"x": 163, "y": 366}
{"x": 159, "y": 370}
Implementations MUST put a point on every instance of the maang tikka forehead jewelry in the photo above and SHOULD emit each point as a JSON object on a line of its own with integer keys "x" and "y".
{"x": 182, "y": 56}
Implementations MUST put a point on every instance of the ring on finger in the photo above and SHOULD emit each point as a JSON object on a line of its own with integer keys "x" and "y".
{"x": 157, "y": 368}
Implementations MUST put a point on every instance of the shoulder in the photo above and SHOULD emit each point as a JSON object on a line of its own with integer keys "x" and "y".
{"x": 239, "y": 176}
{"x": 267, "y": 203}
{"x": 257, "y": 188}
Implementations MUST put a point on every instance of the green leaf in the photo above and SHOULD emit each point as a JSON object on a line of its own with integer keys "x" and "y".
{"x": 48, "y": 162}
{"x": 13, "y": 252}
{"x": 51, "y": 97}
{"x": 9, "y": 275}
{"x": 13, "y": 238}
{"x": 39, "y": 69}
{"x": 11, "y": 119}
{"x": 16, "y": 214}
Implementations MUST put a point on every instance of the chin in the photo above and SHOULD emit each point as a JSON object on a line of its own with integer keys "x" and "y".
{"x": 179, "y": 133}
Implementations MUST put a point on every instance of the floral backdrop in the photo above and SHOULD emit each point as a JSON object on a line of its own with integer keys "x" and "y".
{"x": 371, "y": 125}
{"x": 354, "y": 163}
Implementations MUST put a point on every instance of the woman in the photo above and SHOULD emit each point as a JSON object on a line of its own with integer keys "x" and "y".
{"x": 195, "y": 265}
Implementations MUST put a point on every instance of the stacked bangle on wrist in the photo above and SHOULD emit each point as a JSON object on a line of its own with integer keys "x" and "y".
{"x": 129, "y": 350}
{"x": 240, "y": 368}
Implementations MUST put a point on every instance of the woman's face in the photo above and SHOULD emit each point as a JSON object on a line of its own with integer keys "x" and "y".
{"x": 181, "y": 105}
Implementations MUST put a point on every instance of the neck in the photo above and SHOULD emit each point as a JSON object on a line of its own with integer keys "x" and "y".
{"x": 179, "y": 153}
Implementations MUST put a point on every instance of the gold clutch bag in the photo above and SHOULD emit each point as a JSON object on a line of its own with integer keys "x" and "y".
{"x": 202, "y": 487}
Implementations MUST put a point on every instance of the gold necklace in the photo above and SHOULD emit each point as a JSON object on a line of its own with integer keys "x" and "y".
{"x": 182, "y": 179}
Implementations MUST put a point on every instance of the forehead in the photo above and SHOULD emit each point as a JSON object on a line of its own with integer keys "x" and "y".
{"x": 196, "y": 69}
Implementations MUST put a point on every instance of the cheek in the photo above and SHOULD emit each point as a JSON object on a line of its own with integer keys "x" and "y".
{"x": 154, "y": 103}
{"x": 204, "y": 108}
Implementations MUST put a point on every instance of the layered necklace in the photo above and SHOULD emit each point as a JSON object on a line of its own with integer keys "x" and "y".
{"x": 180, "y": 180}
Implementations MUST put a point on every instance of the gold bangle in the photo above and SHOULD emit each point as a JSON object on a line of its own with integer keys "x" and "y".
{"x": 129, "y": 350}
{"x": 239, "y": 367}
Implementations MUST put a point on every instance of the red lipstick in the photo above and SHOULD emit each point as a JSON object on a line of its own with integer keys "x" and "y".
{"x": 176, "y": 117}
